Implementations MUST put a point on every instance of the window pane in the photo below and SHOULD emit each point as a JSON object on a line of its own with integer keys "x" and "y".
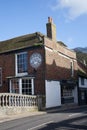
{"x": 15, "y": 86}
{"x": 82, "y": 81}
{"x": 22, "y": 62}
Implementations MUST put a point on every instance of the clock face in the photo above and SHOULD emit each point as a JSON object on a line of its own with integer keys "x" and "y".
{"x": 35, "y": 60}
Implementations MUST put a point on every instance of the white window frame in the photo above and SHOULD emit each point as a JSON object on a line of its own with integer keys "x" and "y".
{"x": 1, "y": 76}
{"x": 16, "y": 66}
{"x": 82, "y": 81}
{"x": 20, "y": 84}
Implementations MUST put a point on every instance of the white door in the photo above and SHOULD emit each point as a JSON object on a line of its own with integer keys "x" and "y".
{"x": 53, "y": 94}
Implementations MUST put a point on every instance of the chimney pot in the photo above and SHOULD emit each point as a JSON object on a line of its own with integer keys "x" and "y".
{"x": 50, "y": 20}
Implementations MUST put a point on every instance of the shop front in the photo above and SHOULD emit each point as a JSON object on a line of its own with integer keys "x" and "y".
{"x": 68, "y": 92}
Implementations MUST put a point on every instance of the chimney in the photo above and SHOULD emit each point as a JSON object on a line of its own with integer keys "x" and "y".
{"x": 51, "y": 29}
{"x": 84, "y": 62}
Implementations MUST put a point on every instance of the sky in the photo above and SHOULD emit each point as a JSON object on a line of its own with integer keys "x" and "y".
{"x": 21, "y": 17}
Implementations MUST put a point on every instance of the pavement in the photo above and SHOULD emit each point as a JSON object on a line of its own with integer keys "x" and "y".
{"x": 4, "y": 118}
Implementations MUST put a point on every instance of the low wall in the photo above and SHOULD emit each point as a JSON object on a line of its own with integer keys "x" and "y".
{"x": 11, "y": 104}
{"x": 16, "y": 110}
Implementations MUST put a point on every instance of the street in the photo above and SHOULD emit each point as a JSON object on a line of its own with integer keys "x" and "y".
{"x": 75, "y": 119}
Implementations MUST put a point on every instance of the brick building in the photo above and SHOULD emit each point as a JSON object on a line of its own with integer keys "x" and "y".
{"x": 36, "y": 64}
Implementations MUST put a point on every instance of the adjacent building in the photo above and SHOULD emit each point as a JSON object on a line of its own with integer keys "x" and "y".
{"x": 82, "y": 83}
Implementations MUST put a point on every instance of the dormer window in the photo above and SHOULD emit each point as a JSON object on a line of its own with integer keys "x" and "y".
{"x": 21, "y": 63}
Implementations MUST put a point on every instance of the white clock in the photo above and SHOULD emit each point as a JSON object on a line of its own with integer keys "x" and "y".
{"x": 35, "y": 60}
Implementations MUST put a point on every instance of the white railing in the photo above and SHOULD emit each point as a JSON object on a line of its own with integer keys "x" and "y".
{"x": 10, "y": 99}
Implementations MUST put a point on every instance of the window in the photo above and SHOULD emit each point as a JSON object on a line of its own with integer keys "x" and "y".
{"x": 67, "y": 92}
{"x": 15, "y": 86}
{"x": 21, "y": 63}
{"x": 82, "y": 81}
{"x": 71, "y": 67}
{"x": 0, "y": 76}
{"x": 22, "y": 86}
{"x": 27, "y": 86}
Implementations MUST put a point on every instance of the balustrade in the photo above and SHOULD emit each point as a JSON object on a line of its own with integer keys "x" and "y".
{"x": 9, "y": 99}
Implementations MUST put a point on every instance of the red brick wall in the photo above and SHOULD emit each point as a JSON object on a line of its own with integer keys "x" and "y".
{"x": 7, "y": 63}
{"x": 53, "y": 45}
{"x": 58, "y": 61}
{"x": 39, "y": 74}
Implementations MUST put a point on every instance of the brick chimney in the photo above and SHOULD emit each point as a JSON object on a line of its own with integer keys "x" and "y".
{"x": 51, "y": 29}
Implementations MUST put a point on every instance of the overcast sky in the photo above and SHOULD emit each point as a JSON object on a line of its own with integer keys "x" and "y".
{"x": 21, "y": 17}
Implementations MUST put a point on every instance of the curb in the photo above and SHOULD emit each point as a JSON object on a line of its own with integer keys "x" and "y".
{"x": 64, "y": 108}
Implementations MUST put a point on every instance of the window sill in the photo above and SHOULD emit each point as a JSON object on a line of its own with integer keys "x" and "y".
{"x": 21, "y": 74}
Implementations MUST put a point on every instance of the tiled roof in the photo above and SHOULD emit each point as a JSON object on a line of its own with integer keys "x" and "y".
{"x": 21, "y": 42}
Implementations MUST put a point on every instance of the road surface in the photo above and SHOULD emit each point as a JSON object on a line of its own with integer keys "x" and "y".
{"x": 75, "y": 119}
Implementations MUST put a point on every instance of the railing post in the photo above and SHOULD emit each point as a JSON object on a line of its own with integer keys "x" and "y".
{"x": 0, "y": 101}
{"x": 6, "y": 101}
{"x": 3, "y": 100}
{"x": 9, "y": 101}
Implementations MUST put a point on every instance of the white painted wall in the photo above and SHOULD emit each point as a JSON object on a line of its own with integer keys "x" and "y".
{"x": 85, "y": 83}
{"x": 53, "y": 94}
